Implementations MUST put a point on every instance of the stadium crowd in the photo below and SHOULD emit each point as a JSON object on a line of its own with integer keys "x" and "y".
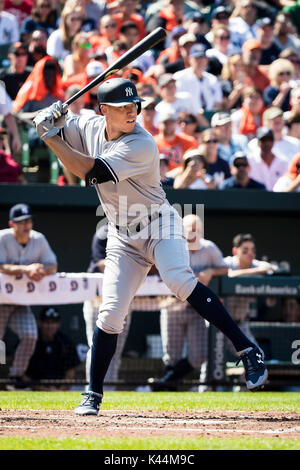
{"x": 222, "y": 92}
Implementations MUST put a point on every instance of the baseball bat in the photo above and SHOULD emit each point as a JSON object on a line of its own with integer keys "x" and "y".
{"x": 133, "y": 53}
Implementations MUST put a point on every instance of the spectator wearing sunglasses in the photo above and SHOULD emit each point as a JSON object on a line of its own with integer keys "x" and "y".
{"x": 278, "y": 93}
{"x": 217, "y": 168}
{"x": 17, "y": 73}
{"x": 222, "y": 48}
{"x": 194, "y": 172}
{"x": 229, "y": 142}
{"x": 42, "y": 17}
{"x": 77, "y": 61}
{"x": 240, "y": 174}
{"x": 107, "y": 34}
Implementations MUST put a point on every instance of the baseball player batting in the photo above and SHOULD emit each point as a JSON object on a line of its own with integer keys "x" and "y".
{"x": 116, "y": 155}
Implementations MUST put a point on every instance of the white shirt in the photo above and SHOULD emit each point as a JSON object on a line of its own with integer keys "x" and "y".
{"x": 265, "y": 174}
{"x": 5, "y": 102}
{"x": 240, "y": 31}
{"x": 55, "y": 46}
{"x": 9, "y": 28}
{"x": 284, "y": 183}
{"x": 205, "y": 91}
{"x": 183, "y": 103}
{"x": 223, "y": 58}
{"x": 284, "y": 149}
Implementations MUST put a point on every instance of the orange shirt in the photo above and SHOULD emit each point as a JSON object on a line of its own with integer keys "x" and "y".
{"x": 259, "y": 80}
{"x": 175, "y": 149}
{"x": 137, "y": 19}
{"x": 97, "y": 41}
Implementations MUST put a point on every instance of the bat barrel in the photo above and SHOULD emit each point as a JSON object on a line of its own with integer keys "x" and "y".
{"x": 137, "y": 50}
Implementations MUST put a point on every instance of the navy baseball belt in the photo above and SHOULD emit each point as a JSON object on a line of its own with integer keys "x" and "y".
{"x": 136, "y": 227}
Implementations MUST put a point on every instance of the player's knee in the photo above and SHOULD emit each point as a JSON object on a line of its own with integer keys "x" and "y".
{"x": 180, "y": 281}
{"x": 111, "y": 322}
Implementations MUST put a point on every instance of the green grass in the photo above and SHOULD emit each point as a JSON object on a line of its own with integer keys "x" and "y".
{"x": 154, "y": 443}
{"x": 262, "y": 401}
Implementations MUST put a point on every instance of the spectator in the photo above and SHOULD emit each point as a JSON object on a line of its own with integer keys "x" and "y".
{"x": 249, "y": 118}
{"x": 179, "y": 323}
{"x": 242, "y": 22}
{"x": 220, "y": 16}
{"x": 91, "y": 308}
{"x": 292, "y": 56}
{"x": 14, "y": 76}
{"x": 42, "y": 17}
{"x": 294, "y": 12}
{"x": 93, "y": 69}
{"x": 127, "y": 12}
{"x": 217, "y": 168}
{"x": 243, "y": 263}
{"x": 193, "y": 173}
{"x": 233, "y": 82}
{"x": 265, "y": 34}
{"x": 240, "y": 174}
{"x": 189, "y": 125}
{"x": 266, "y": 168}
{"x": 290, "y": 182}
{"x": 294, "y": 103}
{"x": 9, "y": 29}
{"x": 278, "y": 93}
{"x": 10, "y": 170}
{"x": 37, "y": 46}
{"x": 170, "y": 142}
{"x": 107, "y": 33}
{"x": 206, "y": 89}
{"x": 166, "y": 181}
{"x": 256, "y": 75}
{"x": 9, "y": 120}
{"x": 196, "y": 23}
{"x": 94, "y": 11}
{"x": 60, "y": 41}
{"x": 21, "y": 9}
{"x": 55, "y": 356}
{"x": 77, "y": 61}
{"x": 42, "y": 87}
{"x": 172, "y": 53}
{"x": 284, "y": 146}
{"x": 291, "y": 310}
{"x": 172, "y": 101}
{"x": 283, "y": 37}
{"x": 147, "y": 116}
{"x": 229, "y": 143}
{"x": 168, "y": 17}
{"x": 293, "y": 128}
{"x": 222, "y": 48}
{"x": 25, "y": 252}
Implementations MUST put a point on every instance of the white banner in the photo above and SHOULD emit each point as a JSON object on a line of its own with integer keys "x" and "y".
{"x": 64, "y": 288}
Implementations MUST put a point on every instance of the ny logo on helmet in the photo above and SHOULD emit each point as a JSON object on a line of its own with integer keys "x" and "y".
{"x": 129, "y": 91}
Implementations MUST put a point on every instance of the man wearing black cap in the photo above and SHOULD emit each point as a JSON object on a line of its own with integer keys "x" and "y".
{"x": 55, "y": 355}
{"x": 239, "y": 166}
{"x": 23, "y": 251}
{"x": 265, "y": 34}
{"x": 17, "y": 73}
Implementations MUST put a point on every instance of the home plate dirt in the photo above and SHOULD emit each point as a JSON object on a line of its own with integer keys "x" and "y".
{"x": 116, "y": 423}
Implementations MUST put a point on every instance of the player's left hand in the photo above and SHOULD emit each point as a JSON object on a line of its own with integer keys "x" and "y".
{"x": 49, "y": 121}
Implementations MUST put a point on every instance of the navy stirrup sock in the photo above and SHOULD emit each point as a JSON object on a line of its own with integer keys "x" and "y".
{"x": 103, "y": 348}
{"x": 209, "y": 306}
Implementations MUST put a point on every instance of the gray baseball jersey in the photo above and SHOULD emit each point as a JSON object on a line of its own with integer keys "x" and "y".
{"x": 37, "y": 249}
{"x": 132, "y": 160}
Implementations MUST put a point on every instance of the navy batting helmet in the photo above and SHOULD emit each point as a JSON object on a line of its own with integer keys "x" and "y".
{"x": 118, "y": 92}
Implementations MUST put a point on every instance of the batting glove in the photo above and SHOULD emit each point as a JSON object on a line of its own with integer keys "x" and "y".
{"x": 49, "y": 121}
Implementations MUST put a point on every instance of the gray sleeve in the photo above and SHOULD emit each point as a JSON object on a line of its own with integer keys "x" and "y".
{"x": 3, "y": 252}
{"x": 72, "y": 132}
{"x": 131, "y": 157}
{"x": 46, "y": 255}
{"x": 217, "y": 257}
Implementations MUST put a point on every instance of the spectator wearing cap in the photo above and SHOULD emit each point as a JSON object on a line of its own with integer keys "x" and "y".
{"x": 256, "y": 75}
{"x": 80, "y": 56}
{"x": 42, "y": 16}
{"x": 15, "y": 75}
{"x": 55, "y": 356}
{"x": 248, "y": 118}
{"x": 229, "y": 143}
{"x": 265, "y": 34}
{"x": 193, "y": 173}
{"x": 284, "y": 146}
{"x": 290, "y": 181}
{"x": 233, "y": 81}
{"x": 107, "y": 34}
{"x": 240, "y": 179}
{"x": 21, "y": 9}
{"x": 294, "y": 11}
{"x": 127, "y": 11}
{"x": 242, "y": 22}
{"x": 283, "y": 36}
{"x": 168, "y": 16}
{"x": 172, "y": 53}
{"x": 205, "y": 87}
{"x": 217, "y": 167}
{"x": 170, "y": 143}
{"x": 23, "y": 252}
{"x": 219, "y": 16}
{"x": 166, "y": 181}
{"x": 196, "y": 23}
{"x": 278, "y": 93}
{"x": 175, "y": 102}
{"x": 9, "y": 28}
{"x": 265, "y": 167}
{"x": 221, "y": 47}
{"x": 148, "y": 114}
